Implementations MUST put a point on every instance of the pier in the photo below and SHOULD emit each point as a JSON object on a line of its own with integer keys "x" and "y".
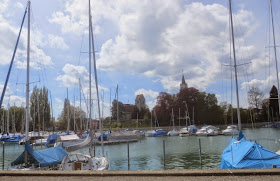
{"x": 241, "y": 174}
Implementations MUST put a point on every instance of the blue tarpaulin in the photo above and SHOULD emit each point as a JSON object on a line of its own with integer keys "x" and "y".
{"x": 246, "y": 154}
{"x": 52, "y": 139}
{"x": 46, "y": 157}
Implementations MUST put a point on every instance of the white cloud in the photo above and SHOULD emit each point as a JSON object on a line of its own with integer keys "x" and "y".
{"x": 57, "y": 42}
{"x": 58, "y": 100}
{"x": 71, "y": 75}
{"x": 19, "y": 5}
{"x": 8, "y": 90}
{"x": 156, "y": 44}
{"x": 4, "y": 5}
{"x": 38, "y": 57}
{"x": 17, "y": 100}
{"x": 161, "y": 38}
{"x": 150, "y": 96}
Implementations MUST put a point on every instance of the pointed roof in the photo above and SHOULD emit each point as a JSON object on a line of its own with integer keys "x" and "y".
{"x": 183, "y": 79}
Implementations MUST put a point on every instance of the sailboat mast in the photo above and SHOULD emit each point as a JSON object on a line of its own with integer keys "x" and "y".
{"x": 27, "y": 84}
{"x": 275, "y": 55}
{"x": 118, "y": 105}
{"x": 235, "y": 67}
{"x": 81, "y": 124}
{"x": 68, "y": 120}
{"x": 97, "y": 91}
{"x": 74, "y": 114}
{"x": 89, "y": 61}
{"x": 8, "y": 118}
{"x": 172, "y": 118}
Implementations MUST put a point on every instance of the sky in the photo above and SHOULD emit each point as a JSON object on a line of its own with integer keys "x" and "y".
{"x": 144, "y": 47}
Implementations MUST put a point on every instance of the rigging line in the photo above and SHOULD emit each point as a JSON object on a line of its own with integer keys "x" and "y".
{"x": 12, "y": 61}
{"x": 269, "y": 51}
{"x": 245, "y": 73}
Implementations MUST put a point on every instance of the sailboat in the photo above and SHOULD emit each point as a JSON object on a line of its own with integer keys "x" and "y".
{"x": 31, "y": 159}
{"x": 188, "y": 130}
{"x": 173, "y": 132}
{"x": 241, "y": 153}
{"x": 78, "y": 161}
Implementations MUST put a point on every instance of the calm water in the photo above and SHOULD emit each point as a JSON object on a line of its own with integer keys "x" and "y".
{"x": 181, "y": 152}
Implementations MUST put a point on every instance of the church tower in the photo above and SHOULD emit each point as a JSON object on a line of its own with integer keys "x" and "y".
{"x": 183, "y": 85}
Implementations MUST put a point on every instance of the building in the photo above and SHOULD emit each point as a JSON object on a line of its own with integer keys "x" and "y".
{"x": 140, "y": 102}
{"x": 128, "y": 110}
{"x": 183, "y": 85}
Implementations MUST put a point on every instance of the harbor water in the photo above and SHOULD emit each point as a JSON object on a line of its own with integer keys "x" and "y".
{"x": 180, "y": 152}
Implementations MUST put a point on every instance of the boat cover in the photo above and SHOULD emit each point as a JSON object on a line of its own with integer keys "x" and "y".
{"x": 246, "y": 154}
{"x": 52, "y": 139}
{"x": 70, "y": 137}
{"x": 46, "y": 157}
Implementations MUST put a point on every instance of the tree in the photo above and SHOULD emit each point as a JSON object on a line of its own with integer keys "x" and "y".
{"x": 273, "y": 102}
{"x": 165, "y": 103}
{"x": 40, "y": 109}
{"x": 255, "y": 97}
{"x": 79, "y": 113}
{"x": 114, "y": 109}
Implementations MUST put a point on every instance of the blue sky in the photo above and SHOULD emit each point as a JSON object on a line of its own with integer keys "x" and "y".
{"x": 141, "y": 45}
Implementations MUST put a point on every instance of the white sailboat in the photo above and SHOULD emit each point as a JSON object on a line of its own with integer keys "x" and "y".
{"x": 241, "y": 153}
{"x": 173, "y": 132}
{"x": 80, "y": 161}
{"x": 31, "y": 159}
{"x": 230, "y": 130}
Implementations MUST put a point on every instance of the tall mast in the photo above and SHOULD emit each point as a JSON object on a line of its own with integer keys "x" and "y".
{"x": 74, "y": 115}
{"x": 38, "y": 107}
{"x": 52, "y": 111}
{"x": 8, "y": 118}
{"x": 110, "y": 110}
{"x": 118, "y": 105}
{"x": 235, "y": 67}
{"x": 27, "y": 84}
{"x": 97, "y": 92}
{"x": 14, "y": 119}
{"x": 89, "y": 61}
{"x": 81, "y": 124}
{"x": 173, "y": 119}
{"x": 275, "y": 55}
{"x": 68, "y": 120}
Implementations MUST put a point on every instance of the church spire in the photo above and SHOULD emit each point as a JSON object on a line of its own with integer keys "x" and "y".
{"x": 183, "y": 80}
{"x": 183, "y": 85}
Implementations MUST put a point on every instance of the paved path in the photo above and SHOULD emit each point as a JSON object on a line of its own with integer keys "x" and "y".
{"x": 162, "y": 175}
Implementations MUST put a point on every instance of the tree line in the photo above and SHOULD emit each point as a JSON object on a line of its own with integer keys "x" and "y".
{"x": 13, "y": 117}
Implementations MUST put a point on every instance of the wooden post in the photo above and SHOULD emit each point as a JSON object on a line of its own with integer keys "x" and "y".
{"x": 128, "y": 162}
{"x": 200, "y": 153}
{"x": 3, "y": 165}
{"x": 163, "y": 144}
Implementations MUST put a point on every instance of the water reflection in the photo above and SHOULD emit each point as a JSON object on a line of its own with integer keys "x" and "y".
{"x": 181, "y": 152}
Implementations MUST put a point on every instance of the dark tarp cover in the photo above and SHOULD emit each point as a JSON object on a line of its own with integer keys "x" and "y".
{"x": 246, "y": 154}
{"x": 46, "y": 157}
{"x": 52, "y": 139}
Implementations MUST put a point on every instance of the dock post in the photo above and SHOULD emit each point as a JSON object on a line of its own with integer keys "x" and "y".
{"x": 200, "y": 153}
{"x": 128, "y": 162}
{"x": 163, "y": 144}
{"x": 94, "y": 150}
{"x": 3, "y": 164}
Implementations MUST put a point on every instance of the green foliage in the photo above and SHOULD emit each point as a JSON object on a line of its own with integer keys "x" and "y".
{"x": 273, "y": 102}
{"x": 125, "y": 124}
{"x": 80, "y": 117}
{"x": 16, "y": 119}
{"x": 116, "y": 103}
{"x": 40, "y": 109}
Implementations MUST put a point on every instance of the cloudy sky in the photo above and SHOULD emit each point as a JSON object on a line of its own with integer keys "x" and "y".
{"x": 143, "y": 46}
